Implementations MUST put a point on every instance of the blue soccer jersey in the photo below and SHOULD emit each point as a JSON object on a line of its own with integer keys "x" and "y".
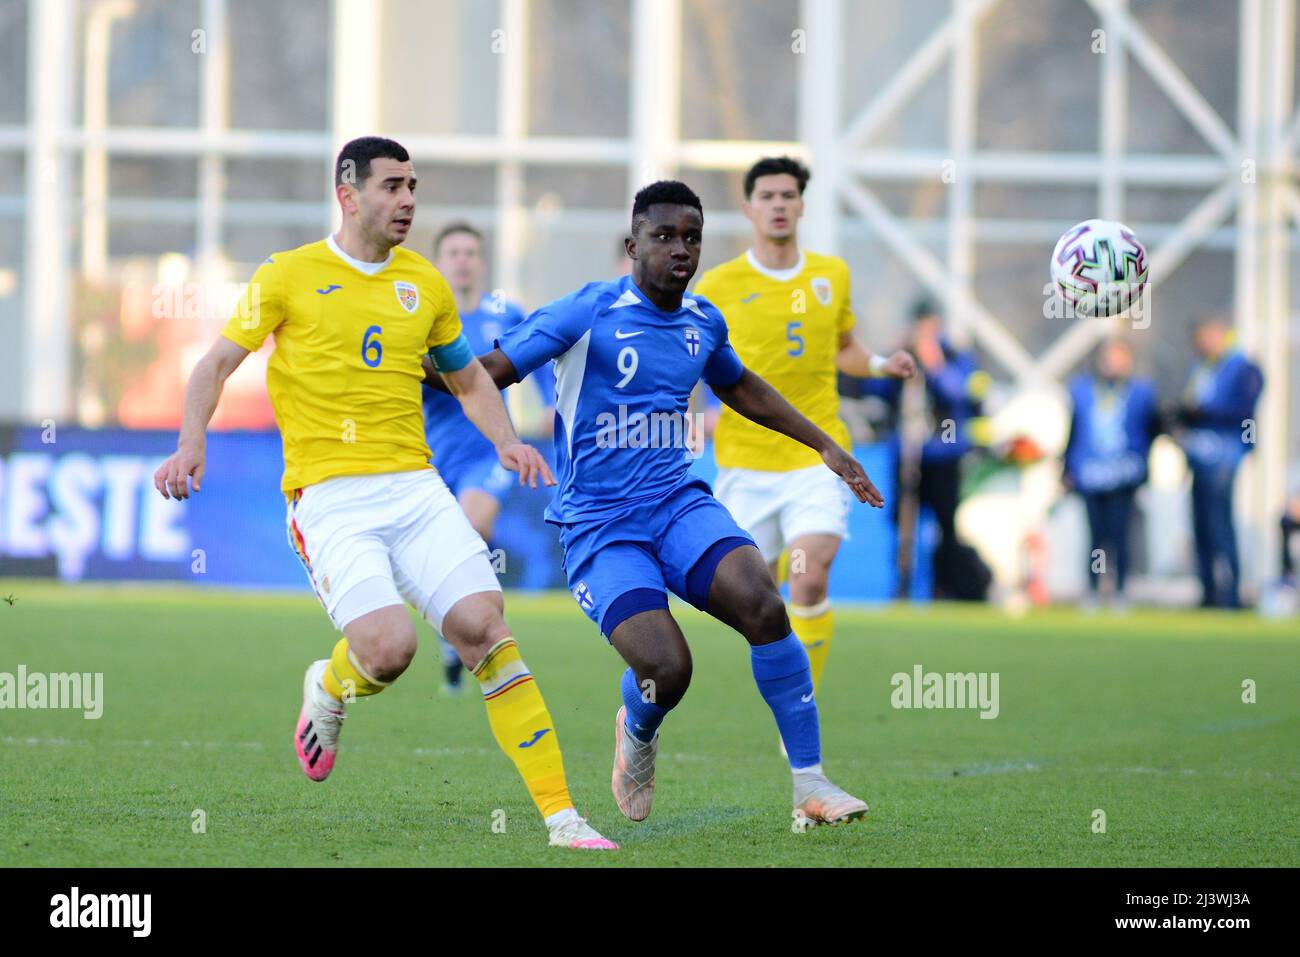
{"x": 456, "y": 444}
{"x": 624, "y": 372}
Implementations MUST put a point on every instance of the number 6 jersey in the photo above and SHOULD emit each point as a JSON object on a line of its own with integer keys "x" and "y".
{"x": 345, "y": 375}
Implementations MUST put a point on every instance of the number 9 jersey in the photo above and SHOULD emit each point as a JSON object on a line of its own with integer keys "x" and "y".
{"x": 345, "y": 375}
{"x": 785, "y": 325}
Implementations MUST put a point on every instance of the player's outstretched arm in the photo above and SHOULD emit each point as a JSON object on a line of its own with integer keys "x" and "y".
{"x": 757, "y": 401}
{"x": 495, "y": 363}
{"x": 853, "y": 358}
{"x": 201, "y": 395}
{"x": 480, "y": 397}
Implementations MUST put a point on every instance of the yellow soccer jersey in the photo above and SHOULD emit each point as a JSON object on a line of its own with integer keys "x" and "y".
{"x": 345, "y": 375}
{"x": 786, "y": 328}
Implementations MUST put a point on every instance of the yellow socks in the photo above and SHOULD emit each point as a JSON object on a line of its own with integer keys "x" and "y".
{"x": 522, "y": 725}
{"x": 344, "y": 678}
{"x": 813, "y": 625}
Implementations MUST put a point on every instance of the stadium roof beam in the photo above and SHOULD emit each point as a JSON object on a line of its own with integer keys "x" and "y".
{"x": 1034, "y": 166}
{"x": 1167, "y": 76}
{"x": 994, "y": 336}
{"x": 913, "y": 74}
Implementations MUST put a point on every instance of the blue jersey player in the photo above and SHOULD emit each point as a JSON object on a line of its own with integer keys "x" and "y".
{"x": 466, "y": 460}
{"x": 634, "y": 524}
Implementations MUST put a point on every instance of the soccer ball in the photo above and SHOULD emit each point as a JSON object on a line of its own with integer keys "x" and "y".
{"x": 1099, "y": 268}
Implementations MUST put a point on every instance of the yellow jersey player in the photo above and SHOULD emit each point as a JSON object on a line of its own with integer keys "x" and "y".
{"x": 790, "y": 321}
{"x": 374, "y": 525}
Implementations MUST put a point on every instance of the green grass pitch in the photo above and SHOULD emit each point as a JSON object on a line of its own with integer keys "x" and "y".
{"x": 1138, "y": 716}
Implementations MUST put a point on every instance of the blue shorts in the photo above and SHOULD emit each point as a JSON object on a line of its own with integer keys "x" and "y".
{"x": 622, "y": 566}
{"x": 482, "y": 474}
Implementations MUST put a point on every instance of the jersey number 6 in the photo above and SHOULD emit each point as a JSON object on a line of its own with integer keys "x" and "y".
{"x": 628, "y": 360}
{"x": 372, "y": 350}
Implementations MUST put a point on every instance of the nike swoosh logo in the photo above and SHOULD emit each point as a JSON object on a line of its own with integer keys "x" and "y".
{"x": 328, "y": 289}
{"x": 804, "y": 698}
{"x": 537, "y": 736}
{"x": 619, "y": 334}
{"x": 751, "y": 297}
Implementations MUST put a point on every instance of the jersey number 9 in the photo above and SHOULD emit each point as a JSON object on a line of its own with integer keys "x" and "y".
{"x": 628, "y": 360}
{"x": 372, "y": 350}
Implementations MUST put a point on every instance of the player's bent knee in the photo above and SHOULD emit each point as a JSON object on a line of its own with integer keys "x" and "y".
{"x": 810, "y": 588}
{"x": 474, "y": 624}
{"x": 670, "y": 677}
{"x": 384, "y": 642}
{"x": 765, "y": 618}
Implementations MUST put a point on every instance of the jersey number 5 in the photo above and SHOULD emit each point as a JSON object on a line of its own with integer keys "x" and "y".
{"x": 792, "y": 336}
{"x": 372, "y": 350}
{"x": 628, "y": 360}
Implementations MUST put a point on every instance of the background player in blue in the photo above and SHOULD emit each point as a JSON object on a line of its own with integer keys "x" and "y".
{"x": 466, "y": 461}
{"x": 635, "y": 524}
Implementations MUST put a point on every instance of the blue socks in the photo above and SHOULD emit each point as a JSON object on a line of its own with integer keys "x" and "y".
{"x": 643, "y": 717}
{"x": 784, "y": 680}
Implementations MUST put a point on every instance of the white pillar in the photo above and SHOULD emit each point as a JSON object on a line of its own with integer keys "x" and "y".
{"x": 1269, "y": 471}
{"x": 820, "y": 107}
{"x": 357, "y": 31}
{"x": 214, "y": 115}
{"x": 655, "y": 90}
{"x": 46, "y": 275}
{"x": 94, "y": 160}
{"x": 1114, "y": 112}
{"x": 512, "y": 125}
{"x": 963, "y": 87}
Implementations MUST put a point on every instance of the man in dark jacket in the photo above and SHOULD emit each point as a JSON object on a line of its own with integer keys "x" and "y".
{"x": 1217, "y": 415}
{"x": 954, "y": 390}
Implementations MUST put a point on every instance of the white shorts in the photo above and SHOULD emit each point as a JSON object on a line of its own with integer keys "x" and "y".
{"x": 778, "y": 507}
{"x": 370, "y": 541}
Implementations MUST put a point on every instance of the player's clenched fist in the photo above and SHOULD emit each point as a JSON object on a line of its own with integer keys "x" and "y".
{"x": 528, "y": 462}
{"x": 172, "y": 476}
{"x": 900, "y": 365}
{"x": 851, "y": 470}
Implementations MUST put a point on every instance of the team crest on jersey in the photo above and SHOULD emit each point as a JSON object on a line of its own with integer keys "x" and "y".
{"x": 582, "y": 595}
{"x": 693, "y": 341}
{"x": 822, "y": 290}
{"x": 407, "y": 295}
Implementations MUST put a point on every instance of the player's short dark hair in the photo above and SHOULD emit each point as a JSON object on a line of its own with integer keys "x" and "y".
{"x": 353, "y": 163}
{"x": 666, "y": 191}
{"x": 924, "y": 309}
{"x": 451, "y": 229}
{"x": 773, "y": 165}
